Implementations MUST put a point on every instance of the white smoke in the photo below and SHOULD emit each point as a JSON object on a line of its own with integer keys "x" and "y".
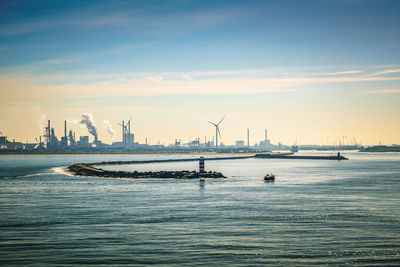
{"x": 87, "y": 119}
{"x": 43, "y": 122}
{"x": 73, "y": 121}
{"x": 110, "y": 130}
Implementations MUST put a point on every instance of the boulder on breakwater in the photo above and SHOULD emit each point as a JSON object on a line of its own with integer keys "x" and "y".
{"x": 82, "y": 169}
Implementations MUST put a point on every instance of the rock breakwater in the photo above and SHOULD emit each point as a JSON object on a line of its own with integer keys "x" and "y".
{"x": 88, "y": 170}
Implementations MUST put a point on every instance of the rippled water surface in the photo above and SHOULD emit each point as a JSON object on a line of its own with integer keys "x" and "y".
{"x": 316, "y": 212}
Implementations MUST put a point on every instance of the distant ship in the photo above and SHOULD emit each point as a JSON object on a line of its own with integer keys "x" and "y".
{"x": 269, "y": 177}
{"x": 294, "y": 149}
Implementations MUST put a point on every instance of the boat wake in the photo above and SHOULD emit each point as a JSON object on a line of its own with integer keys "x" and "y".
{"x": 56, "y": 170}
{"x": 23, "y": 176}
{"x": 61, "y": 170}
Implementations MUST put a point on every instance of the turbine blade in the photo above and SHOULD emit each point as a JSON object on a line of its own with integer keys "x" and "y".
{"x": 212, "y": 123}
{"x": 221, "y": 120}
{"x": 219, "y": 133}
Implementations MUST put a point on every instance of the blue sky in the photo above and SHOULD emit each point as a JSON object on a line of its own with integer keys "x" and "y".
{"x": 198, "y": 35}
{"x": 157, "y": 55}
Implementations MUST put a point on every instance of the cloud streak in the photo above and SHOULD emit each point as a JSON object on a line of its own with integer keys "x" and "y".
{"x": 22, "y": 89}
{"x": 384, "y": 91}
{"x": 134, "y": 19}
{"x": 391, "y": 71}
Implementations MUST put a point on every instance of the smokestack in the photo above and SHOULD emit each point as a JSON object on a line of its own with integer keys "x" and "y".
{"x": 266, "y": 135}
{"x": 49, "y": 132}
{"x": 65, "y": 129}
{"x": 248, "y": 137}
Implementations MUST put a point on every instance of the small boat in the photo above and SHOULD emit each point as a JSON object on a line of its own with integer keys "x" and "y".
{"x": 269, "y": 177}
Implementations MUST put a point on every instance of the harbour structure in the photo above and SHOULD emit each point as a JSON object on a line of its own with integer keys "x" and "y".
{"x": 68, "y": 141}
{"x": 195, "y": 143}
{"x": 338, "y": 156}
{"x": 128, "y": 138}
{"x": 64, "y": 139}
{"x": 89, "y": 169}
{"x": 201, "y": 165}
{"x": 52, "y": 142}
{"x": 266, "y": 143}
{"x": 239, "y": 143}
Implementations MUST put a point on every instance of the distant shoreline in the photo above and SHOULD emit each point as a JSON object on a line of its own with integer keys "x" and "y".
{"x": 381, "y": 149}
{"x": 124, "y": 154}
{"x": 129, "y": 152}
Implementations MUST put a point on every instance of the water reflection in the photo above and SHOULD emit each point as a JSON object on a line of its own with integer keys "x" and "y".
{"x": 202, "y": 183}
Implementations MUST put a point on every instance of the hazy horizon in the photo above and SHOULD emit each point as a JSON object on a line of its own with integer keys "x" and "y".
{"x": 309, "y": 71}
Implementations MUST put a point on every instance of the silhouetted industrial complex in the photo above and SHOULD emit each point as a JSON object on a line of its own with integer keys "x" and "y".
{"x": 70, "y": 143}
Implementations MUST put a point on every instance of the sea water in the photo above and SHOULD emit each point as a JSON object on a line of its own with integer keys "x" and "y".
{"x": 316, "y": 212}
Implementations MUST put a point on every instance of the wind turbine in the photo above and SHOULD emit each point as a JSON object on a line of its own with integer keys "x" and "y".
{"x": 217, "y": 132}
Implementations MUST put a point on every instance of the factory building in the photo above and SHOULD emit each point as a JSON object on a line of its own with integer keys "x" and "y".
{"x": 239, "y": 143}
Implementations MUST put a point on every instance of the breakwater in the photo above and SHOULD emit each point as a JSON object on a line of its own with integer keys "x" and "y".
{"x": 163, "y": 160}
{"x": 87, "y": 170}
{"x": 278, "y": 156}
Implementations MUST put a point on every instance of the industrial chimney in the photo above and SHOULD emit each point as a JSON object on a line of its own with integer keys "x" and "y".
{"x": 248, "y": 137}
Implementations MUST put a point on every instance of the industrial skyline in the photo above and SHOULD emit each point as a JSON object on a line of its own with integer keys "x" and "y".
{"x": 89, "y": 138}
{"x": 312, "y": 71}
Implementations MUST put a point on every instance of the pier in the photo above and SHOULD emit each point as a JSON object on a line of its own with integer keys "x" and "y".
{"x": 291, "y": 156}
{"x": 165, "y": 160}
{"x": 88, "y": 169}
{"x": 82, "y": 169}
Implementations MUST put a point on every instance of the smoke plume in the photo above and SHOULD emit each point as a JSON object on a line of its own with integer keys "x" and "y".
{"x": 110, "y": 130}
{"x": 87, "y": 119}
{"x": 43, "y": 122}
{"x": 73, "y": 121}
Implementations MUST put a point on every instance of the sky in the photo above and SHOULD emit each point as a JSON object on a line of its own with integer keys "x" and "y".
{"x": 310, "y": 72}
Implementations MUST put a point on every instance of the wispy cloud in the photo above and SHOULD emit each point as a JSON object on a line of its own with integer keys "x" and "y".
{"x": 133, "y": 19}
{"x": 342, "y": 72}
{"x": 58, "y": 61}
{"x": 384, "y": 91}
{"x": 34, "y": 90}
{"x": 270, "y": 71}
{"x": 187, "y": 77}
{"x": 390, "y": 71}
{"x": 30, "y": 89}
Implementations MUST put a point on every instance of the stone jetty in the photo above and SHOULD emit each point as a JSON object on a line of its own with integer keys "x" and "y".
{"x": 82, "y": 169}
{"x": 88, "y": 169}
{"x": 288, "y": 156}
